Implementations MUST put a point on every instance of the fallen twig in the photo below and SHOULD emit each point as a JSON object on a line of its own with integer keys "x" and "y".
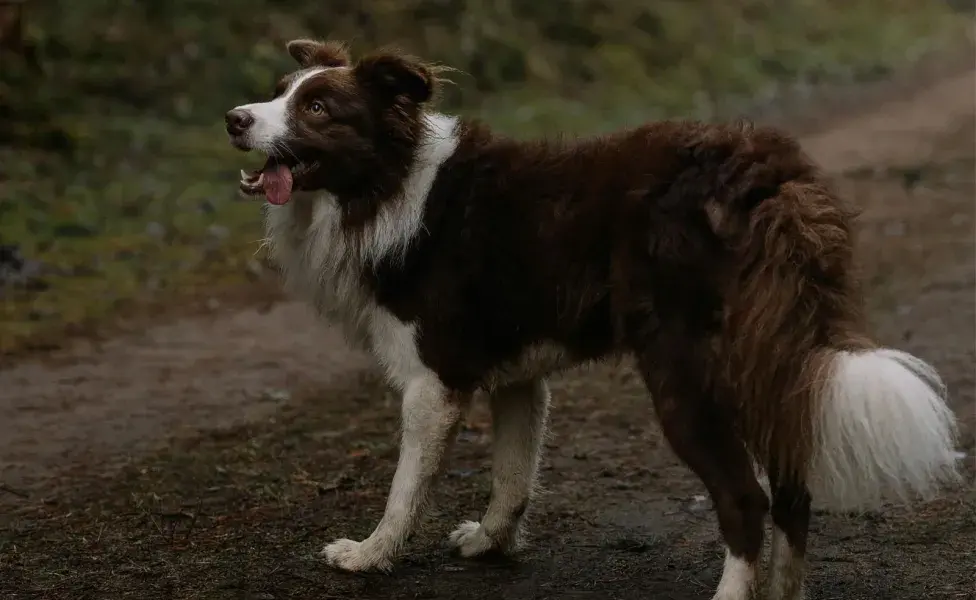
{"x": 6, "y": 488}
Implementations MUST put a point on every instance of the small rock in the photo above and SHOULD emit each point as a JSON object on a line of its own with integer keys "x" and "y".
{"x": 699, "y": 504}
{"x": 276, "y": 395}
{"x": 213, "y": 304}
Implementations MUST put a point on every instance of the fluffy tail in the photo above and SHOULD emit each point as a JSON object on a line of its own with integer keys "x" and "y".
{"x": 882, "y": 430}
{"x": 817, "y": 402}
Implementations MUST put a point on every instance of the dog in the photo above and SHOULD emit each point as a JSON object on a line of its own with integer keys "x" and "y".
{"x": 716, "y": 256}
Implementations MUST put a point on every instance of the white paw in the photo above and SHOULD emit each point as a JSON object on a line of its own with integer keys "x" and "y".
{"x": 356, "y": 556}
{"x": 471, "y": 540}
{"x": 738, "y": 577}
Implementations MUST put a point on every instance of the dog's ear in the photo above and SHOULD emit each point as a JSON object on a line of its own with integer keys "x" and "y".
{"x": 396, "y": 75}
{"x": 310, "y": 53}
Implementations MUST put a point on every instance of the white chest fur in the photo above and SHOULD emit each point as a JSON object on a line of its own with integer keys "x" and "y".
{"x": 317, "y": 261}
{"x": 322, "y": 263}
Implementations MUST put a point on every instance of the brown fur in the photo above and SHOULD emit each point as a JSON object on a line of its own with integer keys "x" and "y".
{"x": 608, "y": 246}
{"x": 717, "y": 255}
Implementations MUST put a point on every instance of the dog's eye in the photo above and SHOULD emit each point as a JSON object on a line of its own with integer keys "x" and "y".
{"x": 316, "y": 108}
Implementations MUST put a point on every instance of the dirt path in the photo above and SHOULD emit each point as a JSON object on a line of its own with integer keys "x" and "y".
{"x": 129, "y": 395}
{"x": 271, "y": 424}
{"x": 899, "y": 132}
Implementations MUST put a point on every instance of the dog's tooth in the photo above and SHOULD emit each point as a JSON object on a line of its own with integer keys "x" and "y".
{"x": 244, "y": 175}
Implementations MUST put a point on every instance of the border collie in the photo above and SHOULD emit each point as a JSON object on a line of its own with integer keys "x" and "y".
{"x": 716, "y": 256}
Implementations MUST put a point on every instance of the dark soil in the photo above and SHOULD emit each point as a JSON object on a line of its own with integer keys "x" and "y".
{"x": 213, "y": 457}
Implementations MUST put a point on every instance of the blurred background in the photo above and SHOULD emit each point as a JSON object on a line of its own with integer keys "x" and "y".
{"x": 118, "y": 188}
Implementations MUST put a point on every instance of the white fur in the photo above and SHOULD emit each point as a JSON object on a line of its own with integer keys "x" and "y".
{"x": 786, "y": 569}
{"x": 537, "y": 360}
{"x": 271, "y": 119}
{"x": 430, "y": 420}
{"x": 519, "y": 416}
{"x": 884, "y": 431}
{"x": 322, "y": 263}
{"x": 738, "y": 577}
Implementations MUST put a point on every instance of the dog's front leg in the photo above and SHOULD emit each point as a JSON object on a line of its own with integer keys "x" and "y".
{"x": 430, "y": 419}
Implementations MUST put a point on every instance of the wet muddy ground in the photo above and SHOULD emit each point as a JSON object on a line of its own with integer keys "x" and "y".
{"x": 213, "y": 456}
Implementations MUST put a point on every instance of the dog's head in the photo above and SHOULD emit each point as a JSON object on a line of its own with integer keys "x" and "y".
{"x": 334, "y": 124}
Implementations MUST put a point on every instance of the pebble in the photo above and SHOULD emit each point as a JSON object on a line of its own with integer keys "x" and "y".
{"x": 452, "y": 568}
{"x": 699, "y": 503}
{"x": 276, "y": 395}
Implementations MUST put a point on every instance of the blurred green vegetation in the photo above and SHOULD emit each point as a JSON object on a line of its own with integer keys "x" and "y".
{"x": 116, "y": 174}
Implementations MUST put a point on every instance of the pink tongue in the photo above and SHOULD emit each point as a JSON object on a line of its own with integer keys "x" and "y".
{"x": 277, "y": 184}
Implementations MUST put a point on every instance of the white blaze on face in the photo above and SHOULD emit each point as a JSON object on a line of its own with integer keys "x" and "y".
{"x": 271, "y": 126}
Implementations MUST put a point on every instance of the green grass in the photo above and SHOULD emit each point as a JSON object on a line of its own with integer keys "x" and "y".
{"x": 117, "y": 176}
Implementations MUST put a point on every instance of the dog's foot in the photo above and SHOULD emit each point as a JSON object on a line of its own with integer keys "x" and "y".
{"x": 738, "y": 580}
{"x": 472, "y": 540}
{"x": 356, "y": 556}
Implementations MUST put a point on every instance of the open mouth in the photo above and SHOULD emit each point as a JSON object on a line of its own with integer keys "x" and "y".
{"x": 277, "y": 179}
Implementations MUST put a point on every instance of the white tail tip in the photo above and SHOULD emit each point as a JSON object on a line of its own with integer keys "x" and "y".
{"x": 885, "y": 432}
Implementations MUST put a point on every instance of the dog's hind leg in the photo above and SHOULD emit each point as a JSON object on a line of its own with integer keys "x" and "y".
{"x": 791, "y": 521}
{"x": 519, "y": 414}
{"x": 700, "y": 430}
{"x": 430, "y": 419}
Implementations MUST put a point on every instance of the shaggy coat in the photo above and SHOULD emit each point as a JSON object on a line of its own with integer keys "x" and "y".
{"x": 717, "y": 256}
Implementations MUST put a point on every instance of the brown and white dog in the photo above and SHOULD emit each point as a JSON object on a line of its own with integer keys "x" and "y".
{"x": 714, "y": 255}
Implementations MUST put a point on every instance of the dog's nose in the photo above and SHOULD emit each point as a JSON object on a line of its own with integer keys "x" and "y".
{"x": 238, "y": 121}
